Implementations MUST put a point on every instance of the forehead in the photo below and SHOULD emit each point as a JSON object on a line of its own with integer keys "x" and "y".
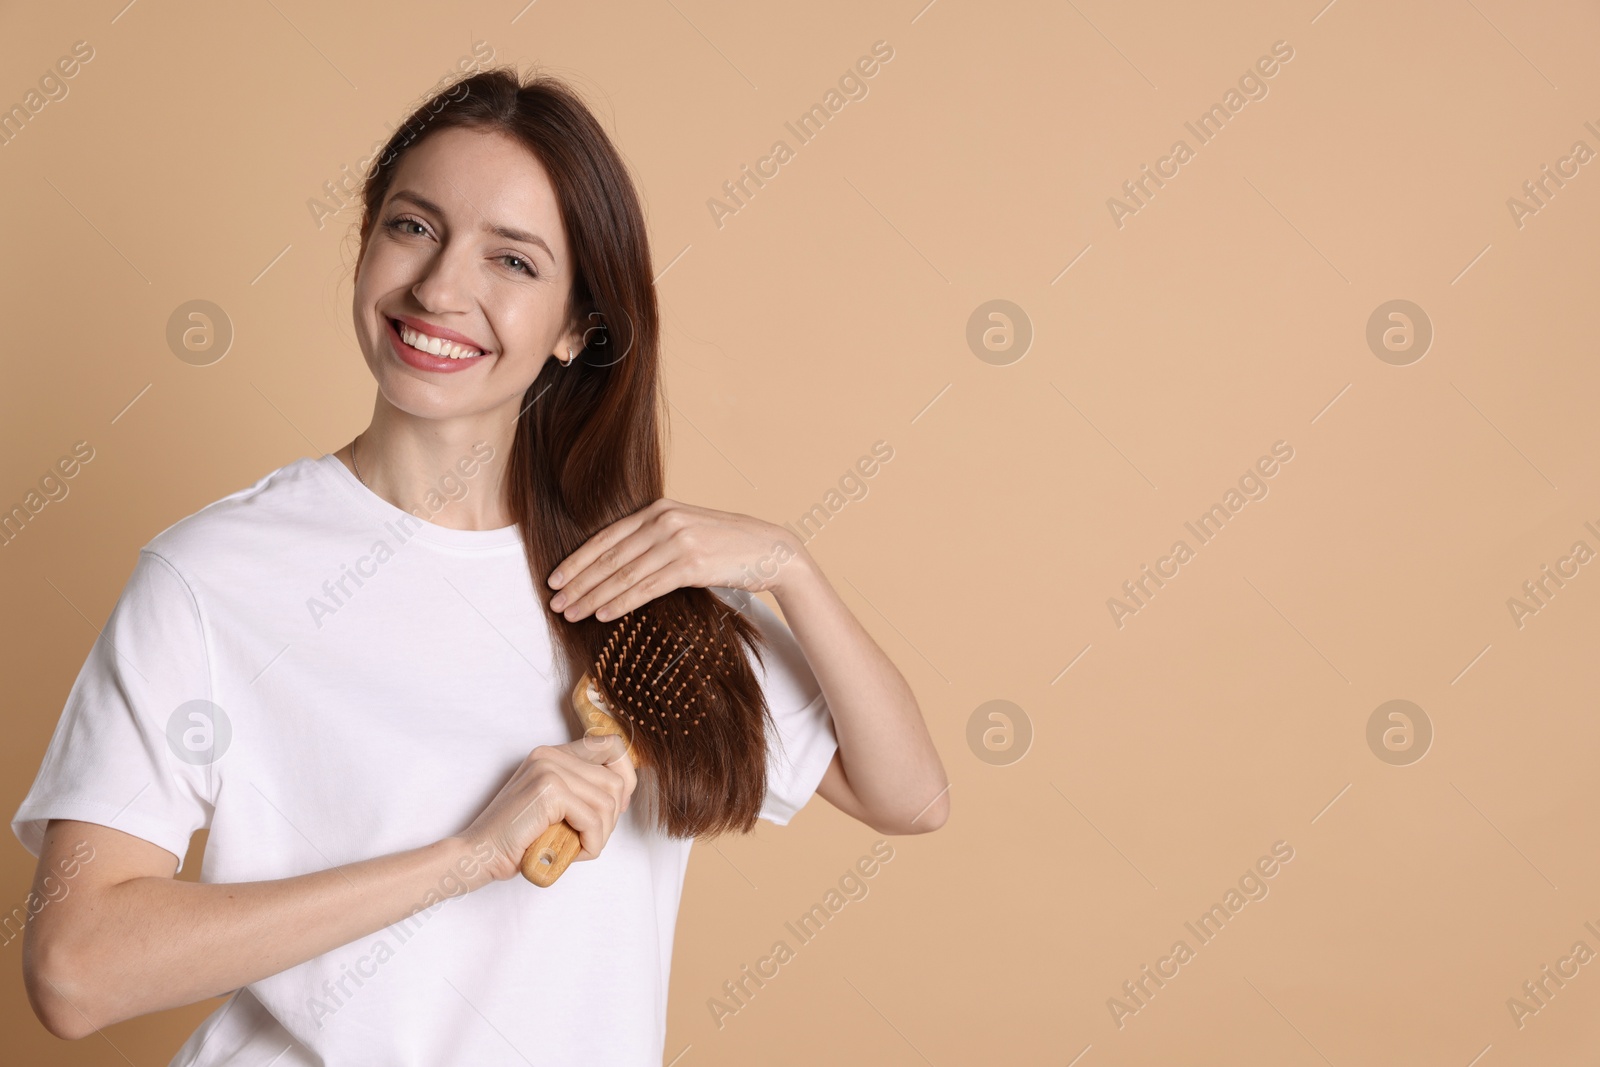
{"x": 483, "y": 178}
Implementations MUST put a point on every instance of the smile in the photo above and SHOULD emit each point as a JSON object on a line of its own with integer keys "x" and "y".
{"x": 434, "y": 346}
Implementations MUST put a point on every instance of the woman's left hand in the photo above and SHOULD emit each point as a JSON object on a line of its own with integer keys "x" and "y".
{"x": 664, "y": 546}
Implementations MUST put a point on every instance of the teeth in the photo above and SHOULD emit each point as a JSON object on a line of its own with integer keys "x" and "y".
{"x": 434, "y": 345}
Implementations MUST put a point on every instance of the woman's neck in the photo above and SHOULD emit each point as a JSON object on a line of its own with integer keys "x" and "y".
{"x": 451, "y": 474}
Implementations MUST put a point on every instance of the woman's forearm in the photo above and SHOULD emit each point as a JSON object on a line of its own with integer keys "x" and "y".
{"x": 110, "y": 952}
{"x": 884, "y": 746}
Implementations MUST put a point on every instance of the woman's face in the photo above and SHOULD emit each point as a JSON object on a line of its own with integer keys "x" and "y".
{"x": 467, "y": 247}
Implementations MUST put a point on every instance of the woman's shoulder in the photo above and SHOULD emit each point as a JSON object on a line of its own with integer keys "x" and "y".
{"x": 274, "y": 510}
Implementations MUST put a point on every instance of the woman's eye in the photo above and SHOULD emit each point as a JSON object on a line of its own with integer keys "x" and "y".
{"x": 515, "y": 262}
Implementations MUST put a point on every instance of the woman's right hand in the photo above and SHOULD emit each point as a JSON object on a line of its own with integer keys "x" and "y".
{"x": 588, "y": 782}
{"x": 124, "y": 937}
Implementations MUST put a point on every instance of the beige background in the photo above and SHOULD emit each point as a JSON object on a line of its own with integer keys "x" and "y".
{"x": 831, "y": 312}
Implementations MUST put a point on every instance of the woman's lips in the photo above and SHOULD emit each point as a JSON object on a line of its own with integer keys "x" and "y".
{"x": 421, "y": 360}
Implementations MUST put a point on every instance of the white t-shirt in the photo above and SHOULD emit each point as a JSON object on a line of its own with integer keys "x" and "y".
{"x": 378, "y": 678}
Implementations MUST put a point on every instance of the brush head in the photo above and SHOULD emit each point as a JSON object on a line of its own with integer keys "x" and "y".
{"x": 675, "y": 679}
{"x": 651, "y": 675}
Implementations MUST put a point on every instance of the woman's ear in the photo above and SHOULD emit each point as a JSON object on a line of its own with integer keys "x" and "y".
{"x": 573, "y": 340}
{"x": 592, "y": 332}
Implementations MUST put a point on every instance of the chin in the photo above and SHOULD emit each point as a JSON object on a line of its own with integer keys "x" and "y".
{"x": 427, "y": 396}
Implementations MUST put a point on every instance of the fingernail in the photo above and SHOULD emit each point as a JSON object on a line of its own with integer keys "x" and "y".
{"x": 558, "y": 602}
{"x": 556, "y": 578}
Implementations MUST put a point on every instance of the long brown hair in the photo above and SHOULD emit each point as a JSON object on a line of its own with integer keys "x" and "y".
{"x": 587, "y": 448}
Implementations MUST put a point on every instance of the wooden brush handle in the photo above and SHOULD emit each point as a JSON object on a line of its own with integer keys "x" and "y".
{"x": 558, "y": 846}
{"x": 551, "y": 854}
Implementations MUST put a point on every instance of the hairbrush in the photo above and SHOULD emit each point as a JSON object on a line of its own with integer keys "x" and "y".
{"x": 645, "y": 674}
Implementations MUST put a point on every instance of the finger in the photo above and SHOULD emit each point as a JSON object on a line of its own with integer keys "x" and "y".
{"x": 610, "y": 754}
{"x": 569, "y": 788}
{"x": 619, "y": 562}
{"x": 672, "y": 574}
{"x": 591, "y": 549}
{"x": 565, "y": 768}
{"x": 622, "y": 776}
{"x": 566, "y": 794}
{"x": 594, "y": 815}
{"x": 602, "y": 759}
{"x": 630, "y": 776}
{"x": 635, "y": 582}
{"x": 598, "y": 749}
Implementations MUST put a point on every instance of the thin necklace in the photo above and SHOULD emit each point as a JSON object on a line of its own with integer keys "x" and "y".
{"x": 354, "y": 464}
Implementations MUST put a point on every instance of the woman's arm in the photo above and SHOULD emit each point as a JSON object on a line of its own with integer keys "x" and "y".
{"x": 127, "y": 938}
{"x": 887, "y": 772}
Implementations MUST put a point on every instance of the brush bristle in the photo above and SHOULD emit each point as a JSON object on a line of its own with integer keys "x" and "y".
{"x": 652, "y": 675}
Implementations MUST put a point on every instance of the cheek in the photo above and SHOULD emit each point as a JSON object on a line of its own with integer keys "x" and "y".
{"x": 381, "y": 269}
{"x": 522, "y": 324}
{"x": 520, "y": 360}
{"x": 368, "y": 283}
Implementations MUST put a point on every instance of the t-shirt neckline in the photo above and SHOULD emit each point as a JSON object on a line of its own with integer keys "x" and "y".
{"x": 415, "y": 525}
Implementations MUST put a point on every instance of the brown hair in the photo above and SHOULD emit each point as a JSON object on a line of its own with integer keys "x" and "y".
{"x": 587, "y": 448}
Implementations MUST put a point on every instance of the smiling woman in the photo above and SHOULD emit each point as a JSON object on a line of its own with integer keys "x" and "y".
{"x": 503, "y": 295}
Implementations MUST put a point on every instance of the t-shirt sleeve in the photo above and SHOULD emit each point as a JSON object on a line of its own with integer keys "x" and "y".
{"x": 135, "y": 746}
{"x": 805, "y": 743}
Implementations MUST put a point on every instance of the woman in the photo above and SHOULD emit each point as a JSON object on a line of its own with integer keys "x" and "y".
{"x": 344, "y": 673}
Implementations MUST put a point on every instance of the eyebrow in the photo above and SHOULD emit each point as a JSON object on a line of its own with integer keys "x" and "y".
{"x": 510, "y": 233}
